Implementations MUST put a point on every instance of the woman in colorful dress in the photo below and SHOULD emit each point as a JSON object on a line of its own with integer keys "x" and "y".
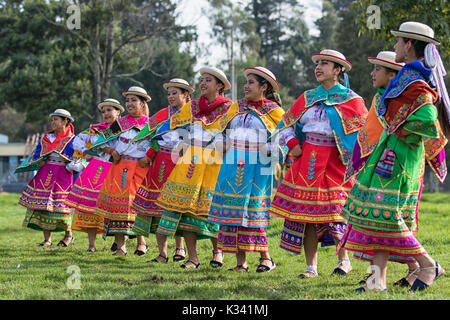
{"x": 125, "y": 174}
{"x": 148, "y": 213}
{"x": 244, "y": 187}
{"x": 187, "y": 193}
{"x": 320, "y": 131}
{"x": 83, "y": 196}
{"x": 382, "y": 206}
{"x": 45, "y": 194}
{"x": 384, "y": 70}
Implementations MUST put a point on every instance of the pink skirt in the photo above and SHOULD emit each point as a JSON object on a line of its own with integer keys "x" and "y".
{"x": 49, "y": 189}
{"x": 235, "y": 238}
{"x": 83, "y": 196}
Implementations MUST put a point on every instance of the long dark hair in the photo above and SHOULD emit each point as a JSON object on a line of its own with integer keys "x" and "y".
{"x": 269, "y": 93}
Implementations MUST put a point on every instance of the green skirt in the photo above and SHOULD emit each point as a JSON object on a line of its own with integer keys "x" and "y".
{"x": 174, "y": 223}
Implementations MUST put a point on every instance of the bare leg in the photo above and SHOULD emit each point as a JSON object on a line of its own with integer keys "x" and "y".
{"x": 310, "y": 244}
{"x": 161, "y": 240}
{"x": 379, "y": 270}
{"x": 191, "y": 244}
{"x": 141, "y": 244}
{"x": 217, "y": 254}
{"x": 92, "y": 235}
{"x": 427, "y": 272}
{"x": 121, "y": 245}
{"x": 47, "y": 238}
{"x": 241, "y": 261}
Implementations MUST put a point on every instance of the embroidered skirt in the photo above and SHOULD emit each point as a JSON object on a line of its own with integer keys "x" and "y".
{"x": 45, "y": 196}
{"x": 382, "y": 207}
{"x": 190, "y": 186}
{"x": 234, "y": 238}
{"x": 84, "y": 194}
{"x": 313, "y": 189}
{"x": 174, "y": 223}
{"x": 328, "y": 234}
{"x": 243, "y": 192}
{"x": 144, "y": 204}
{"x": 117, "y": 194}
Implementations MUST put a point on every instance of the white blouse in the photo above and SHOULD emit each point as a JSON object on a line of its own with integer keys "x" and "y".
{"x": 124, "y": 146}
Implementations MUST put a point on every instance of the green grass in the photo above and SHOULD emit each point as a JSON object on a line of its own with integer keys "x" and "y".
{"x": 31, "y": 272}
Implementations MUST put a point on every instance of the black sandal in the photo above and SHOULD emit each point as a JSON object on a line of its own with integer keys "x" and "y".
{"x": 140, "y": 252}
{"x": 264, "y": 268}
{"x": 63, "y": 244}
{"x": 166, "y": 259}
{"x": 43, "y": 244}
{"x": 214, "y": 263}
{"x": 196, "y": 265}
{"x": 114, "y": 247}
{"x": 240, "y": 268}
{"x": 178, "y": 257}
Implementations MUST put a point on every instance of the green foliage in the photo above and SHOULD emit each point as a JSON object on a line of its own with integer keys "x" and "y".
{"x": 29, "y": 272}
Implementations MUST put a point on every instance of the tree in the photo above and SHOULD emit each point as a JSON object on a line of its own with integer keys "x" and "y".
{"x": 47, "y": 65}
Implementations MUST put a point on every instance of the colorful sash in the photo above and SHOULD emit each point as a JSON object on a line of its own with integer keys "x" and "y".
{"x": 345, "y": 109}
{"x": 407, "y": 92}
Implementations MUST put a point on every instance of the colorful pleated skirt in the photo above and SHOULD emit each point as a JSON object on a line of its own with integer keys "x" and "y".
{"x": 242, "y": 199}
{"x": 382, "y": 209}
{"x": 243, "y": 192}
{"x": 84, "y": 194}
{"x": 190, "y": 185}
{"x": 174, "y": 223}
{"x": 313, "y": 191}
{"x": 187, "y": 194}
{"x": 148, "y": 213}
{"x": 117, "y": 194}
{"x": 45, "y": 196}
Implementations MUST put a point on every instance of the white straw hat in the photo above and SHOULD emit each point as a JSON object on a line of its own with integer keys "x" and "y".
{"x": 219, "y": 74}
{"x": 111, "y": 102}
{"x": 332, "y": 55}
{"x": 62, "y": 113}
{"x": 179, "y": 83}
{"x": 137, "y": 91}
{"x": 416, "y": 30}
{"x": 386, "y": 59}
{"x": 266, "y": 74}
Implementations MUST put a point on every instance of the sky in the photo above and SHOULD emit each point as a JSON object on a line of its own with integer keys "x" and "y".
{"x": 191, "y": 14}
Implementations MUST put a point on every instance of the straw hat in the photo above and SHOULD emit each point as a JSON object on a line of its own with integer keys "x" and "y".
{"x": 111, "y": 102}
{"x": 137, "y": 91}
{"x": 386, "y": 59}
{"x": 218, "y": 74}
{"x": 62, "y": 113}
{"x": 179, "y": 83}
{"x": 332, "y": 55}
{"x": 266, "y": 74}
{"x": 416, "y": 30}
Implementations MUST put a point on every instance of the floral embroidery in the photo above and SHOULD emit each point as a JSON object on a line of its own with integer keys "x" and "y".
{"x": 191, "y": 168}
{"x": 123, "y": 185}
{"x": 239, "y": 173}
{"x": 311, "y": 165}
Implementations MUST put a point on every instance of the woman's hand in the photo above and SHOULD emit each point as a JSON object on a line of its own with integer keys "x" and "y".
{"x": 144, "y": 162}
{"x": 88, "y": 157}
{"x": 41, "y": 163}
{"x": 116, "y": 156}
{"x": 403, "y": 134}
{"x": 295, "y": 152}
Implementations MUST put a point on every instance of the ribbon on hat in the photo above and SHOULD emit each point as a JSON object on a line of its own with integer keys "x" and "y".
{"x": 346, "y": 80}
{"x": 434, "y": 61}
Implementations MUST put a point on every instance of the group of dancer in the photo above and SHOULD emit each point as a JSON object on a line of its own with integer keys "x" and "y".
{"x": 203, "y": 168}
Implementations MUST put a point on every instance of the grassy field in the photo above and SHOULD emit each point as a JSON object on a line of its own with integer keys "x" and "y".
{"x": 31, "y": 272}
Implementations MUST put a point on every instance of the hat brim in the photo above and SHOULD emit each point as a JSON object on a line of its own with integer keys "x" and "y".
{"x": 416, "y": 36}
{"x": 385, "y": 63}
{"x": 136, "y": 93}
{"x": 62, "y": 115}
{"x": 168, "y": 84}
{"x": 274, "y": 83}
{"x": 320, "y": 56}
{"x": 226, "y": 83}
{"x": 115, "y": 105}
